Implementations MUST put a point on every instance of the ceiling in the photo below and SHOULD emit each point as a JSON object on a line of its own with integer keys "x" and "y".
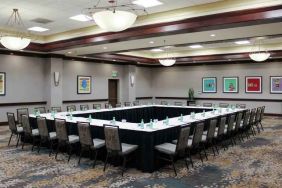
{"x": 59, "y": 11}
{"x": 139, "y": 48}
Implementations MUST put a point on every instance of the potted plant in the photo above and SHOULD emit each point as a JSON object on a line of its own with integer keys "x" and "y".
{"x": 191, "y": 94}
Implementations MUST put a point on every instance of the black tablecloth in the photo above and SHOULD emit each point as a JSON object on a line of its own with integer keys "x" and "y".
{"x": 145, "y": 140}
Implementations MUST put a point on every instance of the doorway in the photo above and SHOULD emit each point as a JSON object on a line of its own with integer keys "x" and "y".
{"x": 113, "y": 91}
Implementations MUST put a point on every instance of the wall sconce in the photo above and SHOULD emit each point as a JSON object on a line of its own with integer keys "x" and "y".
{"x": 56, "y": 78}
{"x": 132, "y": 80}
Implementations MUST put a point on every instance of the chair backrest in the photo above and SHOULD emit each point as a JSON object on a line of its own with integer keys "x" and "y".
{"x": 42, "y": 126}
{"x": 84, "y": 107}
{"x": 183, "y": 138}
{"x": 231, "y": 121}
{"x": 97, "y": 106}
{"x": 118, "y": 105}
{"x": 112, "y": 138}
{"x": 223, "y": 105}
{"x": 205, "y": 104}
{"x": 198, "y": 132}
{"x": 238, "y": 120}
{"x": 127, "y": 103}
{"x": 262, "y": 113}
{"x": 241, "y": 106}
{"x": 12, "y": 122}
{"x": 252, "y": 116}
{"x": 257, "y": 118}
{"x": 211, "y": 129}
{"x": 61, "y": 129}
{"x": 57, "y": 109}
{"x": 221, "y": 126}
{"x": 84, "y": 133}
{"x": 176, "y": 103}
{"x": 135, "y": 103}
{"x": 20, "y": 112}
{"x": 164, "y": 103}
{"x": 71, "y": 108}
{"x": 26, "y": 125}
{"x": 42, "y": 109}
{"x": 246, "y": 118}
{"x": 107, "y": 105}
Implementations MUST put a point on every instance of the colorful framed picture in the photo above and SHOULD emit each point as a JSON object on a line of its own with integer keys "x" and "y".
{"x": 2, "y": 83}
{"x": 253, "y": 84}
{"x": 84, "y": 84}
{"x": 276, "y": 84}
{"x": 209, "y": 85}
{"x": 230, "y": 84}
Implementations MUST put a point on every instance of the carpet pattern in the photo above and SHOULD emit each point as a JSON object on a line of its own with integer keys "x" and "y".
{"x": 257, "y": 162}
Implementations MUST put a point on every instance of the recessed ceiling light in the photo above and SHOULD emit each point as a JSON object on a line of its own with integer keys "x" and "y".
{"x": 81, "y": 18}
{"x": 196, "y": 46}
{"x": 69, "y": 52}
{"x": 157, "y": 50}
{"x": 212, "y": 35}
{"x": 38, "y": 29}
{"x": 105, "y": 47}
{"x": 147, "y": 3}
{"x": 151, "y": 42}
{"x": 242, "y": 42}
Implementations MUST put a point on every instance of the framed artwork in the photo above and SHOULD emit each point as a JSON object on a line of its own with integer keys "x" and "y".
{"x": 2, "y": 83}
{"x": 230, "y": 84}
{"x": 209, "y": 85}
{"x": 83, "y": 84}
{"x": 276, "y": 84}
{"x": 253, "y": 84}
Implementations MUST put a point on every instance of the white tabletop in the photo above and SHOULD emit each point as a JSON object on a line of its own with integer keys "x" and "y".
{"x": 159, "y": 125}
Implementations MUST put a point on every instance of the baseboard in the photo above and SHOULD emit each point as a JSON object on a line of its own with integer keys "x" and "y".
{"x": 272, "y": 114}
{"x": 3, "y": 123}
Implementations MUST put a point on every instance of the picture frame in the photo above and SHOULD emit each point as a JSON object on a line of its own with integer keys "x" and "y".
{"x": 253, "y": 84}
{"x": 84, "y": 84}
{"x": 231, "y": 84}
{"x": 276, "y": 84}
{"x": 2, "y": 83}
{"x": 209, "y": 85}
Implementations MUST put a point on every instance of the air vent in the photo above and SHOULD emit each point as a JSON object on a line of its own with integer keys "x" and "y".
{"x": 42, "y": 20}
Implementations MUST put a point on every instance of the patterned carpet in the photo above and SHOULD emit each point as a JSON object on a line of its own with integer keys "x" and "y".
{"x": 254, "y": 163}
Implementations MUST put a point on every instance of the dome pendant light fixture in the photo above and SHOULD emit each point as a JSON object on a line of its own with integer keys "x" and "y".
{"x": 115, "y": 17}
{"x": 258, "y": 54}
{"x": 168, "y": 61}
{"x": 15, "y": 40}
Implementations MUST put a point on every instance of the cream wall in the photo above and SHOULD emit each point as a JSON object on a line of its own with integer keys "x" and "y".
{"x": 175, "y": 82}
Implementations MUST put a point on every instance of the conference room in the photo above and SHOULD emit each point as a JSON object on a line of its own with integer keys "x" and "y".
{"x": 140, "y": 93}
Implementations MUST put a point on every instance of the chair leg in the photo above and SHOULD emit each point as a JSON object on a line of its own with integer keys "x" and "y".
{"x": 191, "y": 161}
{"x": 261, "y": 126}
{"x": 201, "y": 156}
{"x": 10, "y": 138}
{"x": 57, "y": 150}
{"x": 18, "y": 136}
{"x": 70, "y": 152}
{"x": 24, "y": 136}
{"x": 205, "y": 152}
{"x": 123, "y": 165}
{"x": 80, "y": 154}
{"x": 172, "y": 161}
{"x": 106, "y": 161}
{"x": 51, "y": 147}
{"x": 39, "y": 146}
{"x": 33, "y": 143}
{"x": 95, "y": 158}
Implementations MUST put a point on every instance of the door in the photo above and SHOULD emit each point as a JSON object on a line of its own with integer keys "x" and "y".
{"x": 113, "y": 91}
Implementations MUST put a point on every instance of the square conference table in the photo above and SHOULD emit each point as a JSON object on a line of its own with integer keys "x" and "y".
{"x": 131, "y": 132}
